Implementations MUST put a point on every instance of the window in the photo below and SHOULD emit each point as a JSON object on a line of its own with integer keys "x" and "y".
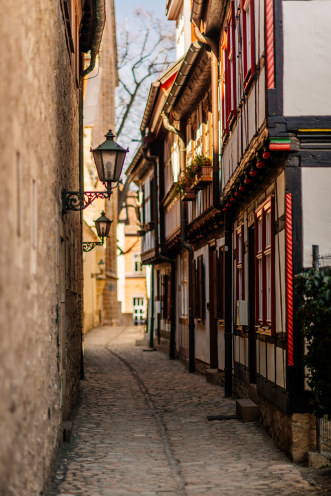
{"x": 142, "y": 208}
{"x": 248, "y": 41}
{"x": 152, "y": 199}
{"x": 265, "y": 267}
{"x": 199, "y": 289}
{"x": 166, "y": 296}
{"x": 72, "y": 14}
{"x": 228, "y": 68}
{"x": 240, "y": 264}
{"x": 137, "y": 263}
{"x": 184, "y": 285}
{"x": 138, "y": 308}
{"x": 221, "y": 284}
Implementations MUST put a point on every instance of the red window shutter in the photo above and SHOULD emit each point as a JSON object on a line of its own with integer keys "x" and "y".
{"x": 233, "y": 61}
{"x": 265, "y": 251}
{"x": 224, "y": 75}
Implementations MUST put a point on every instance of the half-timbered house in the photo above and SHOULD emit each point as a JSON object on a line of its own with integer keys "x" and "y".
{"x": 248, "y": 107}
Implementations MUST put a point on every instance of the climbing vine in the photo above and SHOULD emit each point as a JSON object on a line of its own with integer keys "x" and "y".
{"x": 314, "y": 287}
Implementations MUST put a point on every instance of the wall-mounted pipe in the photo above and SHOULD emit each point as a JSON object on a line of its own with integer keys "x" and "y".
{"x": 100, "y": 24}
{"x": 185, "y": 245}
{"x": 214, "y": 105}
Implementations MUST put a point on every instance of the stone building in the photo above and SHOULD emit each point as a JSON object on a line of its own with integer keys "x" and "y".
{"x": 130, "y": 271}
{"x": 99, "y": 116}
{"x": 41, "y": 255}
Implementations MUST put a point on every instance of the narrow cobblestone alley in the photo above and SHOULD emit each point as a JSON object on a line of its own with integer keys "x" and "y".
{"x": 141, "y": 428}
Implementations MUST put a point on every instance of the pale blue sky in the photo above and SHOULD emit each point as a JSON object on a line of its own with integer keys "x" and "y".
{"x": 125, "y": 8}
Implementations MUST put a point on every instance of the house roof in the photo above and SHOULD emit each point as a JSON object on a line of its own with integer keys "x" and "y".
{"x": 212, "y": 11}
{"x": 164, "y": 82}
{"x": 191, "y": 81}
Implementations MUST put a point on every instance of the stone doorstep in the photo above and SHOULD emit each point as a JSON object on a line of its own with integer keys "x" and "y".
{"x": 246, "y": 410}
{"x": 212, "y": 376}
{"x": 66, "y": 429}
{"x": 317, "y": 460}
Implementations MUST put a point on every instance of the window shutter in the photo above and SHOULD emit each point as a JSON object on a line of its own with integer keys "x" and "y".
{"x": 169, "y": 298}
{"x": 201, "y": 288}
{"x": 196, "y": 290}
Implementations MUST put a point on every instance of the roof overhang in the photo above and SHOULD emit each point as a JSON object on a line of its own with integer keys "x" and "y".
{"x": 173, "y": 8}
{"x": 189, "y": 84}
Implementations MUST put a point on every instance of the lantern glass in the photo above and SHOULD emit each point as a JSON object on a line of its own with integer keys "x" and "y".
{"x": 109, "y": 165}
{"x": 102, "y": 225}
{"x": 109, "y": 159}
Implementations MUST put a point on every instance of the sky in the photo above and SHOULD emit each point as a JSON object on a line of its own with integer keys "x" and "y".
{"x": 125, "y": 8}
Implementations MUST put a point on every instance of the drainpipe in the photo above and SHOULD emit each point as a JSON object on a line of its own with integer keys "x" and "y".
{"x": 186, "y": 246}
{"x": 100, "y": 24}
{"x": 227, "y": 217}
{"x": 151, "y": 334}
{"x": 214, "y": 105}
{"x": 161, "y": 258}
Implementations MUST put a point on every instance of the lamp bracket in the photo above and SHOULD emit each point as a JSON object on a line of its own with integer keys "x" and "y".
{"x": 89, "y": 245}
{"x": 79, "y": 200}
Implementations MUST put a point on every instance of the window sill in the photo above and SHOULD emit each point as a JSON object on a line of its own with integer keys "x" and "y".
{"x": 264, "y": 330}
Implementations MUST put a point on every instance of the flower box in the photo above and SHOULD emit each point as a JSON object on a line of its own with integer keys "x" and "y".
{"x": 188, "y": 194}
{"x": 203, "y": 177}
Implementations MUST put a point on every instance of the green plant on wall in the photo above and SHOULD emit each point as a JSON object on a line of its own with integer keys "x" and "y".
{"x": 314, "y": 288}
{"x": 187, "y": 177}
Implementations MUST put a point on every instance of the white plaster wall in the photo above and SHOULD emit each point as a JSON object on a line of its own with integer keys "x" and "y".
{"x": 307, "y": 57}
{"x": 316, "y": 211}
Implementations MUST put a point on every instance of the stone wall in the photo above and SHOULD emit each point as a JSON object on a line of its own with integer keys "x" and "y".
{"x": 293, "y": 433}
{"x": 41, "y": 267}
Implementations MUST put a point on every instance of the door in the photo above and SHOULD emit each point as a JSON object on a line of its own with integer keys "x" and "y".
{"x": 213, "y": 307}
{"x": 138, "y": 311}
{"x": 251, "y": 327}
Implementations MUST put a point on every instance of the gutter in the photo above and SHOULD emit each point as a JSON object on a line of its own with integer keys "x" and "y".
{"x": 186, "y": 246}
{"x": 214, "y": 104}
{"x": 197, "y": 7}
{"x": 182, "y": 74}
{"x": 150, "y": 104}
{"x": 227, "y": 216}
{"x": 100, "y": 24}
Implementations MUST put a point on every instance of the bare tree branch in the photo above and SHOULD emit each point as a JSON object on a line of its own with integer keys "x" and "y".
{"x": 142, "y": 54}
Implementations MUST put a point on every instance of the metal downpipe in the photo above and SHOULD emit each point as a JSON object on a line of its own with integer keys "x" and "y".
{"x": 214, "y": 105}
{"x": 100, "y": 24}
{"x": 187, "y": 247}
{"x": 228, "y": 307}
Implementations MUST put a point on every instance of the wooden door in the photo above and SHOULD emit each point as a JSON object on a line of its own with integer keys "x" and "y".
{"x": 213, "y": 307}
{"x": 251, "y": 327}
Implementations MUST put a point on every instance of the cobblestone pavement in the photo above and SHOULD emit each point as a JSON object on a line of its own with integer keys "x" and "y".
{"x": 141, "y": 429}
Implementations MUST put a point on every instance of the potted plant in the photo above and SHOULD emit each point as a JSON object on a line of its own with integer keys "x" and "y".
{"x": 203, "y": 170}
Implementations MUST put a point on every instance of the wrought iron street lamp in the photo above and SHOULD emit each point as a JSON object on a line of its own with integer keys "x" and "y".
{"x": 102, "y": 225}
{"x": 109, "y": 159}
